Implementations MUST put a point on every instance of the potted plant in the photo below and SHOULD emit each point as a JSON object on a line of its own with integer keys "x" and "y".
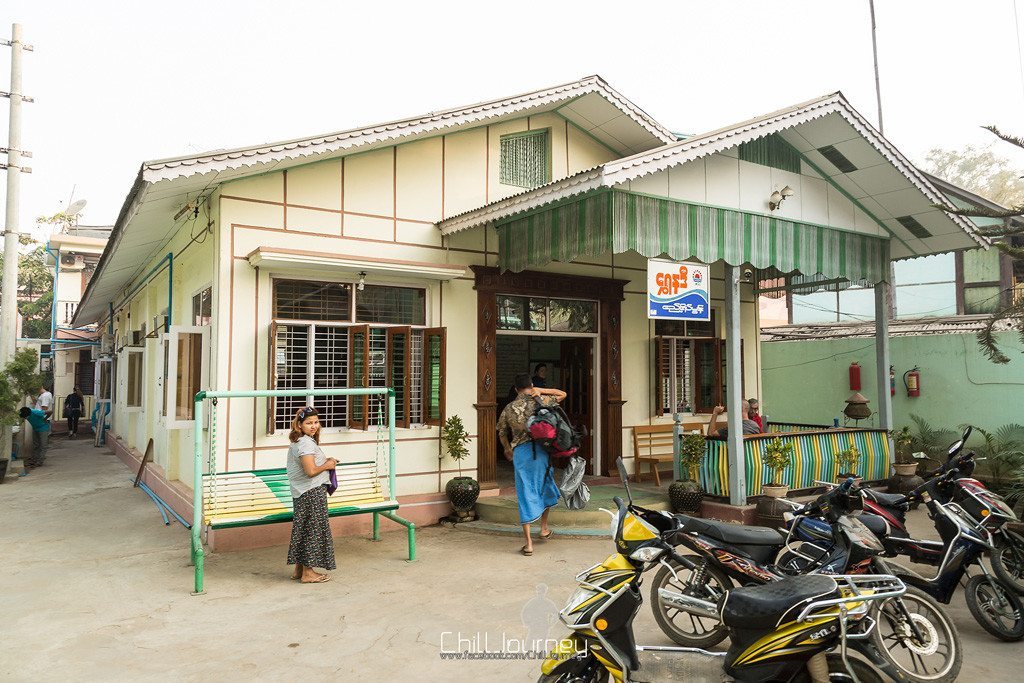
{"x": 846, "y": 462}
{"x": 905, "y": 464}
{"x": 462, "y": 491}
{"x": 778, "y": 455}
{"x": 686, "y": 495}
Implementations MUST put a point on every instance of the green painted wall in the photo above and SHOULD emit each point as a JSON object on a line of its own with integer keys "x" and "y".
{"x": 808, "y": 381}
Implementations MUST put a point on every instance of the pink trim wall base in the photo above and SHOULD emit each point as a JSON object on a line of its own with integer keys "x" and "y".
{"x": 421, "y": 509}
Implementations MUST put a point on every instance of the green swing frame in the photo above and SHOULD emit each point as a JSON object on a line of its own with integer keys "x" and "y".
{"x": 198, "y": 489}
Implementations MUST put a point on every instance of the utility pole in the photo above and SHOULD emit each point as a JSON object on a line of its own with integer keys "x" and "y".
{"x": 874, "y": 52}
{"x": 9, "y": 299}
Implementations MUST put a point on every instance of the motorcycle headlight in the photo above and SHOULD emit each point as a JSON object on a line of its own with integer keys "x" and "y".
{"x": 647, "y": 554}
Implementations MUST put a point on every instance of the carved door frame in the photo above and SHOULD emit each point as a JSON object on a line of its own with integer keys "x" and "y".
{"x": 489, "y": 282}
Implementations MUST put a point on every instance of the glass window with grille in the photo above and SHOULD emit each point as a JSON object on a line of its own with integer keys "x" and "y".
{"x": 202, "y": 307}
{"x": 525, "y": 159}
{"x": 519, "y": 313}
{"x": 331, "y": 350}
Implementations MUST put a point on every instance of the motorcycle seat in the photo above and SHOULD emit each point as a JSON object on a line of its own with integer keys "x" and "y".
{"x": 733, "y": 534}
{"x": 769, "y": 605}
{"x": 886, "y": 499}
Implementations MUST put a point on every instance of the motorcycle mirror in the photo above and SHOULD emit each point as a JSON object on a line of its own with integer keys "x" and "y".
{"x": 624, "y": 477}
{"x": 957, "y": 446}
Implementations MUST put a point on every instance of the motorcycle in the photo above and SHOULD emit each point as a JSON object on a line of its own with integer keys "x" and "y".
{"x": 802, "y": 628}
{"x": 725, "y": 555}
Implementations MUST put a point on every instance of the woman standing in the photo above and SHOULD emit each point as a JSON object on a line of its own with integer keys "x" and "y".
{"x": 308, "y": 473}
{"x": 536, "y": 490}
{"x": 74, "y": 404}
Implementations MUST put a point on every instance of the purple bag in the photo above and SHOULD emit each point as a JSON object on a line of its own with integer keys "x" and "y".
{"x": 333, "y": 486}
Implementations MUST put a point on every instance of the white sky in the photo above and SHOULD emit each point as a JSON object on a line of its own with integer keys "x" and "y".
{"x": 120, "y": 82}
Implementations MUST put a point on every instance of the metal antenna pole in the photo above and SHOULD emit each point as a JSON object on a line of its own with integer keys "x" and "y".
{"x": 874, "y": 52}
{"x": 9, "y": 300}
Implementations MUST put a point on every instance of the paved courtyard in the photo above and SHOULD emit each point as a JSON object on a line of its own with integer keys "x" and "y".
{"x": 97, "y": 587}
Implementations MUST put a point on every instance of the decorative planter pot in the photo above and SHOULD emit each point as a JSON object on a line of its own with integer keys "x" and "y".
{"x": 773, "y": 491}
{"x": 770, "y": 508}
{"x": 685, "y": 496}
{"x": 905, "y": 480}
{"x": 462, "y": 492}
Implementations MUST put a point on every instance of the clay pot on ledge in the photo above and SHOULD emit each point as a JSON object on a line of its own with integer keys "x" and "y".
{"x": 770, "y": 508}
{"x": 905, "y": 480}
{"x": 685, "y": 495}
{"x": 462, "y": 492}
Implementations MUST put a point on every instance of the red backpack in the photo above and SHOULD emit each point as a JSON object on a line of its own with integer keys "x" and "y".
{"x": 549, "y": 427}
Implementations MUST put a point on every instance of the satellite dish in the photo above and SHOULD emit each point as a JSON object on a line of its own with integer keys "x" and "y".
{"x": 76, "y": 207}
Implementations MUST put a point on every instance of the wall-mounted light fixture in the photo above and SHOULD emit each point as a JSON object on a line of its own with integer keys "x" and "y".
{"x": 775, "y": 201}
{"x": 362, "y": 282}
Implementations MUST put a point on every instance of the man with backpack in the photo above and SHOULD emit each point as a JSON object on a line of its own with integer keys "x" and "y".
{"x": 536, "y": 490}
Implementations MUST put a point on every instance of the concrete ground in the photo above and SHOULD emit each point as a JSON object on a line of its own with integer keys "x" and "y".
{"x": 97, "y": 587}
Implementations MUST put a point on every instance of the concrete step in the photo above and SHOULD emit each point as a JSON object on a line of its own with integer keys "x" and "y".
{"x": 504, "y": 510}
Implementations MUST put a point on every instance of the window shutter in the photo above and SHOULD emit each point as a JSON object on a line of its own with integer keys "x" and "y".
{"x": 398, "y": 363}
{"x": 359, "y": 374}
{"x": 434, "y": 353}
{"x": 272, "y": 376}
{"x": 661, "y": 382}
{"x": 523, "y": 159}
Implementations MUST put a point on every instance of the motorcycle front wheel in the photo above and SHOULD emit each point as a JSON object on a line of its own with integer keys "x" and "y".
{"x": 704, "y": 582}
{"x": 1008, "y": 561}
{"x": 936, "y": 656}
{"x": 995, "y": 607}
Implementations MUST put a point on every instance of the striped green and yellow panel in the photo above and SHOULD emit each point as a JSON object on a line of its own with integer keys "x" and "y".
{"x": 813, "y": 459}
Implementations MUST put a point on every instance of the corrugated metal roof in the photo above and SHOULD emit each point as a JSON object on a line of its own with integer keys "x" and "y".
{"x": 960, "y": 324}
{"x": 434, "y": 121}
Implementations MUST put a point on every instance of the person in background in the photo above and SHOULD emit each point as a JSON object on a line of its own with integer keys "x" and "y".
{"x": 308, "y": 474}
{"x": 755, "y": 413}
{"x": 540, "y": 376}
{"x": 718, "y": 430}
{"x": 41, "y": 427}
{"x": 74, "y": 404}
{"x": 536, "y": 490}
{"x": 44, "y": 402}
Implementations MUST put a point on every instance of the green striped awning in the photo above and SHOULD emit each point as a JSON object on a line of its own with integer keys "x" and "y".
{"x": 618, "y": 221}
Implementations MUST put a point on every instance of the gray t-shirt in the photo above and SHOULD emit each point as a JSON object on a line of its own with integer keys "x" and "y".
{"x": 749, "y": 427}
{"x": 300, "y": 483}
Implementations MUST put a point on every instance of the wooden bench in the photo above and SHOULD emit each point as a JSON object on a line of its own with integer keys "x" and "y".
{"x": 652, "y": 444}
{"x": 252, "y": 497}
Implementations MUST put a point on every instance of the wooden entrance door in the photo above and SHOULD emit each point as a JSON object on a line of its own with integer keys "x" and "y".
{"x": 578, "y": 384}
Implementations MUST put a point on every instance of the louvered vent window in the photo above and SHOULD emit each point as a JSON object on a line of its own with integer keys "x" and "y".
{"x": 524, "y": 159}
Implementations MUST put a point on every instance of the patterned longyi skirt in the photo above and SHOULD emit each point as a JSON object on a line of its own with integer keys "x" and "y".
{"x": 312, "y": 545}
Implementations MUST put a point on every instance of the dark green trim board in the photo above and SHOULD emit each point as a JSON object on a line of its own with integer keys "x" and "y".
{"x": 771, "y": 150}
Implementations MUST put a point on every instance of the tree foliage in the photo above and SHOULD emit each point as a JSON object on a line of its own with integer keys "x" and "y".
{"x": 18, "y": 380}
{"x": 35, "y": 296}
{"x": 991, "y": 176}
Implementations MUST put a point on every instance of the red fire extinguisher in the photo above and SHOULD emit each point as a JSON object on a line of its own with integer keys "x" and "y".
{"x": 912, "y": 381}
{"x": 892, "y": 381}
{"x": 855, "y": 376}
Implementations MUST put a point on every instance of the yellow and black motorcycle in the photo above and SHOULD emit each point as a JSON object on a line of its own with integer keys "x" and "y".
{"x": 799, "y": 629}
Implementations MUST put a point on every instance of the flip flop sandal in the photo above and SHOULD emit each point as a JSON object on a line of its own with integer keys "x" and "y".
{"x": 324, "y": 578}
{"x": 525, "y": 552}
{"x": 546, "y": 536}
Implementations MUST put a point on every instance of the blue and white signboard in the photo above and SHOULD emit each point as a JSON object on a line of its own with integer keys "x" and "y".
{"x": 678, "y": 290}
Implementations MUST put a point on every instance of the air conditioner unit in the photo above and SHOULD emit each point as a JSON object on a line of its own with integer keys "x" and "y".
{"x": 72, "y": 261}
{"x": 106, "y": 344}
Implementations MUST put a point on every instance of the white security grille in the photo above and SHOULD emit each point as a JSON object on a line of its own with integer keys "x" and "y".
{"x": 416, "y": 380}
{"x": 378, "y": 375}
{"x": 291, "y": 367}
{"x": 330, "y": 371}
{"x": 676, "y": 375}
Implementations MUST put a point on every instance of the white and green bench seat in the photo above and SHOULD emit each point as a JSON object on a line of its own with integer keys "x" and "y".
{"x": 254, "y": 497}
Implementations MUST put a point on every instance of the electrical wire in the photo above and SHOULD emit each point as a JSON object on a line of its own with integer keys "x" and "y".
{"x": 818, "y": 360}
